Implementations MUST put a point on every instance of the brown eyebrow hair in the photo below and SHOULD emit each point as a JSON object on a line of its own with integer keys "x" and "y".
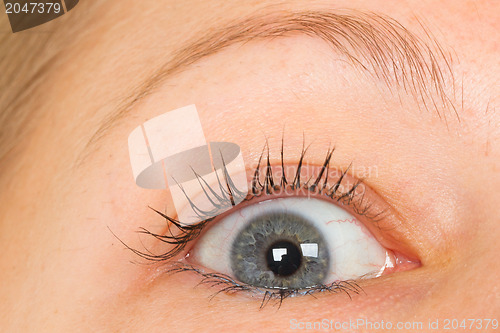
{"x": 376, "y": 44}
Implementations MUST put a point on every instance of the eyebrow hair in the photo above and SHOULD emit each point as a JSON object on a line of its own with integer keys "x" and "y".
{"x": 376, "y": 44}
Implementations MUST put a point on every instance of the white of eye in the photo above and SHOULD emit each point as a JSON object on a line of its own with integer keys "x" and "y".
{"x": 354, "y": 252}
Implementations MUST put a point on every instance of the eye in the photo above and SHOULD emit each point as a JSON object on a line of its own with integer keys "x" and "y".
{"x": 291, "y": 243}
{"x": 297, "y": 232}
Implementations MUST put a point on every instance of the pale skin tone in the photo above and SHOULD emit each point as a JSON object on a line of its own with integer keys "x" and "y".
{"x": 63, "y": 270}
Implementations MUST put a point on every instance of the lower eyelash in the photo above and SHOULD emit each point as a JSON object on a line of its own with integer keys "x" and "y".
{"x": 228, "y": 285}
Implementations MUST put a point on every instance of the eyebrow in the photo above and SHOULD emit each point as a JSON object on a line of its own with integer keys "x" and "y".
{"x": 376, "y": 44}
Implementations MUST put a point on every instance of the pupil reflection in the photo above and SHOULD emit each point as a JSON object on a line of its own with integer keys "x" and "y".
{"x": 284, "y": 258}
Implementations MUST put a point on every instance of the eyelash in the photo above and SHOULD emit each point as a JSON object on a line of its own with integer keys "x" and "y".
{"x": 228, "y": 285}
{"x": 185, "y": 233}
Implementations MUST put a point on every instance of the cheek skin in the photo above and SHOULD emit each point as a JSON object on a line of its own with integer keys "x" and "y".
{"x": 61, "y": 260}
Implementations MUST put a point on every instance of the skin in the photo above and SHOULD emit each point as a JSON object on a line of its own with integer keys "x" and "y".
{"x": 63, "y": 270}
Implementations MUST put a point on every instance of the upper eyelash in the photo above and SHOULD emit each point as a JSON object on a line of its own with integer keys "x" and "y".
{"x": 180, "y": 234}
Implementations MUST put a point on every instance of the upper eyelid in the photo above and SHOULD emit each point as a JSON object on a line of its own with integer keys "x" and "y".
{"x": 189, "y": 233}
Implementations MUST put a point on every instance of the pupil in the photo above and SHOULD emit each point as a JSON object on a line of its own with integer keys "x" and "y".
{"x": 283, "y": 258}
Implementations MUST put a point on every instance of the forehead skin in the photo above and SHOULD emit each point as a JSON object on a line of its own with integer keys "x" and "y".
{"x": 61, "y": 268}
